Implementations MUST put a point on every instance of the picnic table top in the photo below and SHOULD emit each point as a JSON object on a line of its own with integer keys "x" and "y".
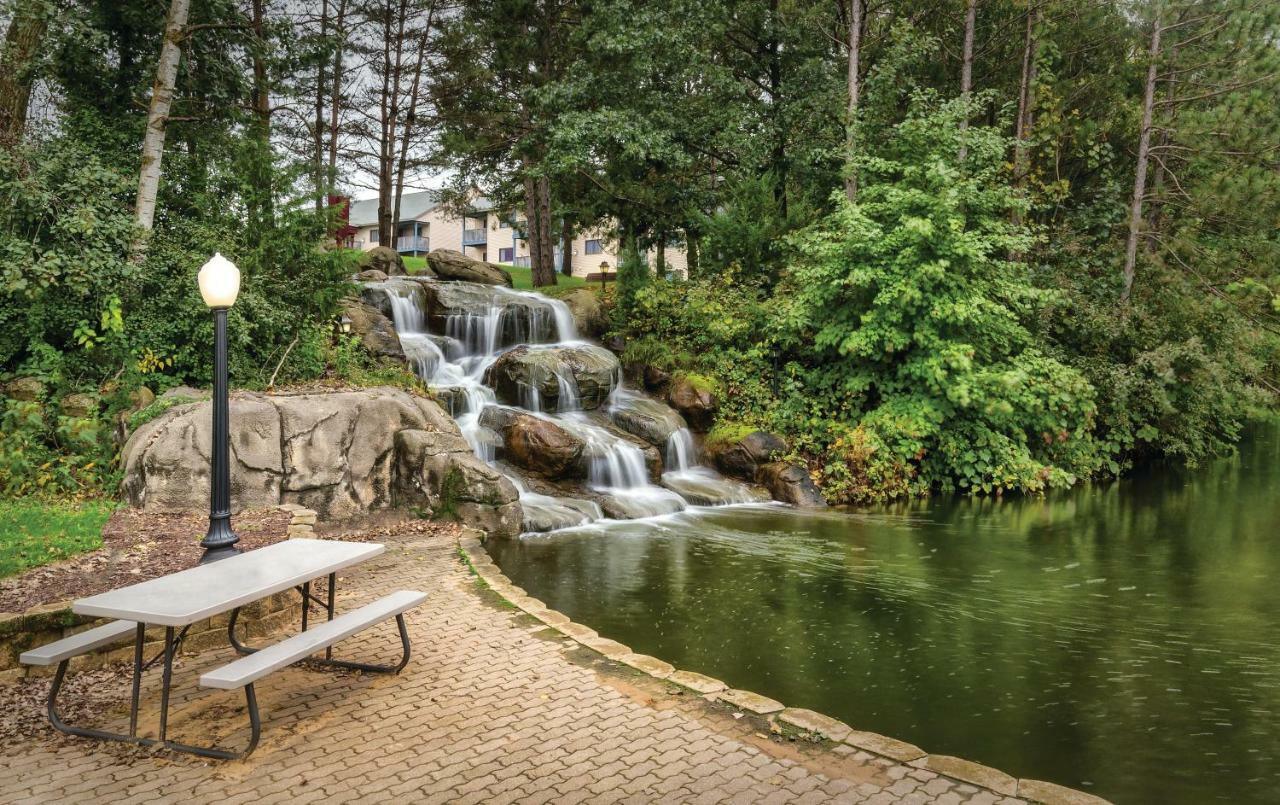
{"x": 207, "y": 590}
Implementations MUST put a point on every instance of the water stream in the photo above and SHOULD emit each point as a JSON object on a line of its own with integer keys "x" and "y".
{"x": 1122, "y": 638}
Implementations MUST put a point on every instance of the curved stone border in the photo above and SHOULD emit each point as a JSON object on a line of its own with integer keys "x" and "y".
{"x": 471, "y": 547}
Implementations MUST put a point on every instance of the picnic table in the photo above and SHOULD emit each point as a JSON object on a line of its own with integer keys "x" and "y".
{"x": 177, "y": 601}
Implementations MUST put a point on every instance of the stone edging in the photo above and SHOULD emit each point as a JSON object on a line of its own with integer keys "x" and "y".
{"x": 302, "y": 521}
{"x": 470, "y": 543}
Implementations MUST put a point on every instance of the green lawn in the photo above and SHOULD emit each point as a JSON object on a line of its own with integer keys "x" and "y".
{"x": 521, "y": 277}
{"x": 34, "y": 533}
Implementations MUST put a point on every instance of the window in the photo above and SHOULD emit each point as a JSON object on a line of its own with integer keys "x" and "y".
{"x": 504, "y": 255}
{"x": 504, "y": 224}
{"x": 373, "y": 236}
{"x": 595, "y": 247}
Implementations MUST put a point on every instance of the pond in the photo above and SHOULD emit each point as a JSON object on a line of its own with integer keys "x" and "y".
{"x": 1120, "y": 638}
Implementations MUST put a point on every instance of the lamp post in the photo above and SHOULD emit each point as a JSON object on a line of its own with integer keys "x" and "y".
{"x": 219, "y": 285}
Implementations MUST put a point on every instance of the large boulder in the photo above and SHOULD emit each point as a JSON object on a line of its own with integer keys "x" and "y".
{"x": 536, "y": 444}
{"x": 376, "y": 332}
{"x": 371, "y": 275}
{"x": 742, "y": 458}
{"x": 438, "y": 472}
{"x": 384, "y": 259}
{"x": 338, "y": 453}
{"x": 559, "y": 378}
{"x": 24, "y": 389}
{"x": 694, "y": 398}
{"x": 451, "y": 265}
{"x": 646, "y": 418}
{"x": 703, "y": 487}
{"x": 588, "y": 313}
{"x": 790, "y": 483}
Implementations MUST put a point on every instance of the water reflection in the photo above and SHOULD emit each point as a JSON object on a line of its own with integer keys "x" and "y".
{"x": 1121, "y": 638}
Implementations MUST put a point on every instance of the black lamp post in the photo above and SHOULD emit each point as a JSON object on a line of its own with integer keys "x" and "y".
{"x": 219, "y": 285}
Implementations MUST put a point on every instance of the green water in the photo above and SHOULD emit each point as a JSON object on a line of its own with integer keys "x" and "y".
{"x": 1122, "y": 638}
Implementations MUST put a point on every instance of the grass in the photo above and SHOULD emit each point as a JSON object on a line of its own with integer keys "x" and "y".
{"x": 36, "y": 532}
{"x": 522, "y": 278}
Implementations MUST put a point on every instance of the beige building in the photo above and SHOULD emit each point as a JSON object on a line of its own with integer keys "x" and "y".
{"x": 485, "y": 234}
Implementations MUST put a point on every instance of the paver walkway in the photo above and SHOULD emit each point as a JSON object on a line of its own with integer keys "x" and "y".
{"x": 490, "y": 709}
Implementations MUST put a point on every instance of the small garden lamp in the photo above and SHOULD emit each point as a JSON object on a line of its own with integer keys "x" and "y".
{"x": 344, "y": 324}
{"x": 219, "y": 285}
{"x": 604, "y": 270}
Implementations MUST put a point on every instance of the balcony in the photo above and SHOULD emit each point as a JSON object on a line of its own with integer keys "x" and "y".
{"x": 475, "y": 237}
{"x": 409, "y": 243}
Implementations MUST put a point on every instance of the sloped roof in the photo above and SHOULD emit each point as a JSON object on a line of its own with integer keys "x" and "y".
{"x": 412, "y": 207}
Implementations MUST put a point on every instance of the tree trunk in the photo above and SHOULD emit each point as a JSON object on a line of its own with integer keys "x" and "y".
{"x": 317, "y": 133}
{"x": 23, "y": 38}
{"x": 157, "y": 117}
{"x": 531, "y": 220}
{"x": 775, "y": 100}
{"x": 851, "y": 112}
{"x": 335, "y": 100}
{"x": 566, "y": 245}
{"x": 261, "y": 208}
{"x": 410, "y": 117}
{"x": 390, "y": 109}
{"x": 1144, "y": 155}
{"x": 1026, "y": 104}
{"x": 966, "y": 67}
{"x": 546, "y": 272}
{"x": 692, "y": 254}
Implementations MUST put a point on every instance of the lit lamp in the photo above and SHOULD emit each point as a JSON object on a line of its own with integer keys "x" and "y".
{"x": 344, "y": 324}
{"x": 219, "y": 285}
{"x": 604, "y": 269}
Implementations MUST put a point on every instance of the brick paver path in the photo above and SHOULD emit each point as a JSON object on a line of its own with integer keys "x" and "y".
{"x": 491, "y": 708}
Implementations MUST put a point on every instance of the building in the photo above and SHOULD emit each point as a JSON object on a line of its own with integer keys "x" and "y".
{"x": 484, "y": 234}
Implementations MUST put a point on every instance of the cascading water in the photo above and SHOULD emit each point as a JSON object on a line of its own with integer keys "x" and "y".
{"x": 457, "y": 359}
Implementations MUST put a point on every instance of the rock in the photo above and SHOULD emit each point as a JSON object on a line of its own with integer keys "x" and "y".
{"x": 790, "y": 483}
{"x": 26, "y": 389}
{"x": 816, "y": 723}
{"x": 140, "y": 398}
{"x": 378, "y": 295}
{"x": 451, "y": 265}
{"x": 702, "y": 487}
{"x": 384, "y": 259}
{"x": 545, "y": 513}
{"x": 371, "y": 275}
{"x": 640, "y": 504}
{"x": 185, "y": 393}
{"x": 464, "y": 312}
{"x": 655, "y": 379}
{"x": 339, "y": 453}
{"x": 588, "y": 313}
{"x": 615, "y": 344}
{"x": 881, "y": 745}
{"x": 439, "y": 472}
{"x": 537, "y": 444}
{"x": 79, "y": 406}
{"x": 452, "y": 398}
{"x": 376, "y": 332}
{"x": 1051, "y": 794}
{"x": 696, "y": 682}
{"x": 744, "y": 457}
{"x": 694, "y": 400}
{"x": 648, "y": 419}
{"x": 586, "y": 371}
{"x": 750, "y": 702}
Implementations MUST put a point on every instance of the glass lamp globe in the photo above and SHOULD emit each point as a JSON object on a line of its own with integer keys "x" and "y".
{"x": 219, "y": 282}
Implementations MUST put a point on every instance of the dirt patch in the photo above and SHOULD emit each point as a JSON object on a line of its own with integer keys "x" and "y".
{"x": 136, "y": 545}
{"x": 139, "y": 545}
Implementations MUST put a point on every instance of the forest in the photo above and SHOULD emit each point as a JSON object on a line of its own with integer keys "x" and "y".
{"x": 982, "y": 246}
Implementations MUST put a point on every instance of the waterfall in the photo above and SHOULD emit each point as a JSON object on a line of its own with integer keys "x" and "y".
{"x": 457, "y": 359}
{"x": 680, "y": 453}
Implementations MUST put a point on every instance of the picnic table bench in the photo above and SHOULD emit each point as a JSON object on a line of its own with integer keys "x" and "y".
{"x": 178, "y": 600}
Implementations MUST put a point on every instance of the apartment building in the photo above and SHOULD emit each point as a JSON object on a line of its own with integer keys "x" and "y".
{"x": 484, "y": 233}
